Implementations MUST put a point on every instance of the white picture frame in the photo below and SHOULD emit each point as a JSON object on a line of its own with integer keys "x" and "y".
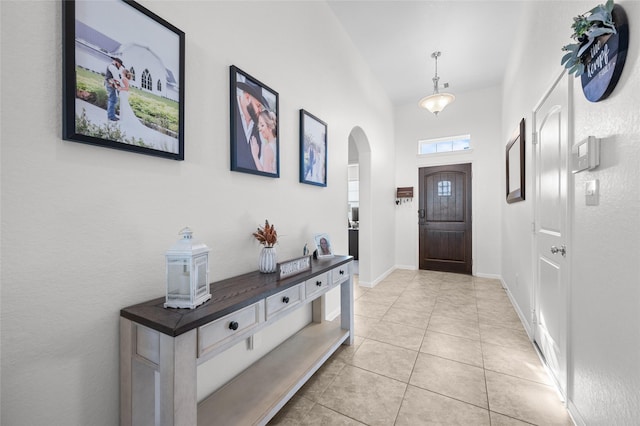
{"x": 324, "y": 248}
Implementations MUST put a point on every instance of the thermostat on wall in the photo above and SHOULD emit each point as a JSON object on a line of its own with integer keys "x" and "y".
{"x": 586, "y": 154}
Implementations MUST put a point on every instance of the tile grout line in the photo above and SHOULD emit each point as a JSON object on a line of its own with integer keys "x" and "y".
{"x": 404, "y": 394}
{"x": 484, "y": 369}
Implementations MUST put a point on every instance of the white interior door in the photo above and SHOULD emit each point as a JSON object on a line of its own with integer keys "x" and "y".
{"x": 551, "y": 122}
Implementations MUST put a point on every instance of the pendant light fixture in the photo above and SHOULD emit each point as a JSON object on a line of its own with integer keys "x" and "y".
{"x": 437, "y": 101}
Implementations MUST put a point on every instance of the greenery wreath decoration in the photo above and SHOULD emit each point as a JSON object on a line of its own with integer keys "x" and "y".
{"x": 586, "y": 29}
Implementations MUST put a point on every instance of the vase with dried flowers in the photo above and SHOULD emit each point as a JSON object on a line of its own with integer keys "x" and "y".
{"x": 268, "y": 237}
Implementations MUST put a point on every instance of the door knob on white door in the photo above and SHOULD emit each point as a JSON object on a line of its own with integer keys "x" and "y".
{"x": 562, "y": 250}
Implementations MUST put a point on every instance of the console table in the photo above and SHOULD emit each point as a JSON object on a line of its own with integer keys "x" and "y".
{"x": 160, "y": 348}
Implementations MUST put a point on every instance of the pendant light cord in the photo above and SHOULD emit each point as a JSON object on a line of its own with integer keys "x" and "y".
{"x": 436, "y": 79}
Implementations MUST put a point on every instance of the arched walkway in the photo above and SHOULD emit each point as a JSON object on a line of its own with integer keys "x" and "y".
{"x": 360, "y": 140}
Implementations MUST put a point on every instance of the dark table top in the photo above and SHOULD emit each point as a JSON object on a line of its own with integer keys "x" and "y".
{"x": 227, "y": 296}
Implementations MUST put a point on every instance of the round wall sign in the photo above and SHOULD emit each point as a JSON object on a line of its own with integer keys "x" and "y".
{"x": 605, "y": 59}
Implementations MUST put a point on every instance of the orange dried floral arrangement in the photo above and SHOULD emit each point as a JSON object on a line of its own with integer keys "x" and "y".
{"x": 266, "y": 235}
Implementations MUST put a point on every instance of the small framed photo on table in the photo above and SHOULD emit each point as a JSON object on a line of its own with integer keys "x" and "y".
{"x": 323, "y": 245}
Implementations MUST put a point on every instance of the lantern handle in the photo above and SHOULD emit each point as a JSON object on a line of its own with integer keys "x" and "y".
{"x": 186, "y": 233}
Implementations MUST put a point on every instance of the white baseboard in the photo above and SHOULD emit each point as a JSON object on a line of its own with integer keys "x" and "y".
{"x": 492, "y": 276}
{"x": 409, "y": 267}
{"x": 477, "y": 274}
{"x": 575, "y": 414}
{"x": 516, "y": 307}
{"x": 333, "y": 314}
{"x": 377, "y": 280}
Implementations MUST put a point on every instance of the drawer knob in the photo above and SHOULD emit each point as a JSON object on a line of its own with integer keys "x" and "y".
{"x": 285, "y": 299}
{"x": 319, "y": 283}
{"x": 233, "y": 325}
{"x": 341, "y": 272}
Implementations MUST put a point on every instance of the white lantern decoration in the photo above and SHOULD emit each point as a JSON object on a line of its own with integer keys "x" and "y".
{"x": 187, "y": 273}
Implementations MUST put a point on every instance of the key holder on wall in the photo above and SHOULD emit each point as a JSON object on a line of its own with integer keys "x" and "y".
{"x": 404, "y": 194}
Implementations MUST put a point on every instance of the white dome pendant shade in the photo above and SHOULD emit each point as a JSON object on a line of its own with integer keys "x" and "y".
{"x": 437, "y": 101}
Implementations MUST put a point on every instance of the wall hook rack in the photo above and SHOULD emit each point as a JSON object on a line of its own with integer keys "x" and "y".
{"x": 404, "y": 194}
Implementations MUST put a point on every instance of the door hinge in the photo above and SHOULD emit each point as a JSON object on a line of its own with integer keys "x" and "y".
{"x": 534, "y": 138}
{"x": 533, "y": 227}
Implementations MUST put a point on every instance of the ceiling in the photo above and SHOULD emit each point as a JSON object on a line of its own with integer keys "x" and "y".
{"x": 396, "y": 38}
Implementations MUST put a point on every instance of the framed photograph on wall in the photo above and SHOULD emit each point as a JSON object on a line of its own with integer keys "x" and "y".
{"x": 323, "y": 245}
{"x": 515, "y": 158}
{"x": 313, "y": 149}
{"x": 255, "y": 147}
{"x": 123, "y": 78}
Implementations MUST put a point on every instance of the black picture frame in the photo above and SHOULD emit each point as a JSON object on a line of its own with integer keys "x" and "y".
{"x": 247, "y": 94}
{"x": 96, "y": 36}
{"x": 313, "y": 149}
{"x": 515, "y": 165}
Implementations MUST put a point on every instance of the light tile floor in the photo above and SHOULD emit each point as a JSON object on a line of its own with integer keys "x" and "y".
{"x": 430, "y": 348}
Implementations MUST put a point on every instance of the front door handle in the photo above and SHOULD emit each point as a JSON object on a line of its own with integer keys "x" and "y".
{"x": 562, "y": 250}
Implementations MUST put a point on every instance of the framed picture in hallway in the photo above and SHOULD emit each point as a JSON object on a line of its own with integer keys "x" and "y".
{"x": 313, "y": 149}
{"x": 123, "y": 78}
{"x": 255, "y": 146}
{"x": 515, "y": 160}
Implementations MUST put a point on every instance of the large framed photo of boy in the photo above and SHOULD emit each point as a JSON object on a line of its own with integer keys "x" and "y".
{"x": 313, "y": 149}
{"x": 255, "y": 146}
{"x": 123, "y": 78}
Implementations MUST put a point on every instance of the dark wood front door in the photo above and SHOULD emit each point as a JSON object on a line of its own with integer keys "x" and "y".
{"x": 445, "y": 218}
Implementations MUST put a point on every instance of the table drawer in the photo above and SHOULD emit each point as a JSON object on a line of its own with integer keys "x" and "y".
{"x": 285, "y": 300}
{"x": 227, "y": 328}
{"x": 340, "y": 273}
{"x": 316, "y": 285}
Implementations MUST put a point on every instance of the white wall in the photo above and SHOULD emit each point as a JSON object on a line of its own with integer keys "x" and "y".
{"x": 84, "y": 229}
{"x": 604, "y": 325}
{"x": 476, "y": 113}
{"x": 605, "y": 288}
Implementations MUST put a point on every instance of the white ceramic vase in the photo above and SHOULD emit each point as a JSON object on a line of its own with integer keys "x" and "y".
{"x": 268, "y": 260}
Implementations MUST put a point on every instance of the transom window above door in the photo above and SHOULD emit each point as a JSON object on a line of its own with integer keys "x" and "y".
{"x": 449, "y": 144}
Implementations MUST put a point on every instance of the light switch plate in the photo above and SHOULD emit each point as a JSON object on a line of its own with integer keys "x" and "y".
{"x": 592, "y": 192}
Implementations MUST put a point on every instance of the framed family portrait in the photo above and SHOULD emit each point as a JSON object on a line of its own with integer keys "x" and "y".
{"x": 515, "y": 158}
{"x": 123, "y": 78}
{"x": 255, "y": 146}
{"x": 313, "y": 149}
{"x": 323, "y": 245}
